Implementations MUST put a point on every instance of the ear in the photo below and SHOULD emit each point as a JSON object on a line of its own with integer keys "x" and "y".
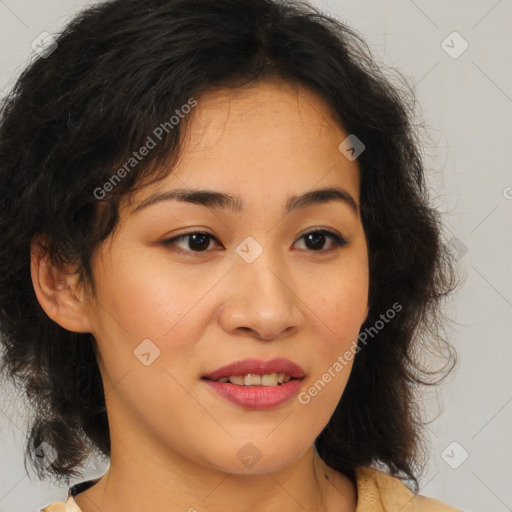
{"x": 58, "y": 292}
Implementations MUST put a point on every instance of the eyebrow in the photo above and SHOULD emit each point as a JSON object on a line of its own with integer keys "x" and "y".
{"x": 219, "y": 200}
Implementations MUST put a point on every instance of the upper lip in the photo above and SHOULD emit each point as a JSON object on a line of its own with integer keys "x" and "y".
{"x": 258, "y": 367}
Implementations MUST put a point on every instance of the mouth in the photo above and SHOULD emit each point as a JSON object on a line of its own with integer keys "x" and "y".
{"x": 250, "y": 379}
{"x": 257, "y": 373}
{"x": 255, "y": 384}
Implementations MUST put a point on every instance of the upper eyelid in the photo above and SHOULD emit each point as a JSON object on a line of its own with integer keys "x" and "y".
{"x": 328, "y": 232}
{"x": 204, "y": 232}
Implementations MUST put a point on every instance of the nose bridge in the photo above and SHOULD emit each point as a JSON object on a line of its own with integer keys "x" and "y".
{"x": 260, "y": 297}
{"x": 265, "y": 279}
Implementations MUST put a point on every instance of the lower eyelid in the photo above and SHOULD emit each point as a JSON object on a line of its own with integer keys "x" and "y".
{"x": 184, "y": 236}
{"x": 338, "y": 240}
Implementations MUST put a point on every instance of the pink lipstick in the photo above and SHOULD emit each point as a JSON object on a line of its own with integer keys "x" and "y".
{"x": 256, "y": 384}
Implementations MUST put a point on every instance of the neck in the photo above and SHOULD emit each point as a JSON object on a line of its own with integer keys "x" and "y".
{"x": 134, "y": 485}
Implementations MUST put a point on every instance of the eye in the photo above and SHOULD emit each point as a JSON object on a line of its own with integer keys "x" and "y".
{"x": 200, "y": 241}
{"x": 315, "y": 240}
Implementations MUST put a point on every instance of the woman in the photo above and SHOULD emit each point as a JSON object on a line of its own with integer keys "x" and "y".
{"x": 214, "y": 215}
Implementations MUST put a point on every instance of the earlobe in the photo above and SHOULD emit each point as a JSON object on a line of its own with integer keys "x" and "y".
{"x": 58, "y": 292}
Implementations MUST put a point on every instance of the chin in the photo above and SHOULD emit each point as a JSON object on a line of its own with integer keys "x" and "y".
{"x": 257, "y": 458}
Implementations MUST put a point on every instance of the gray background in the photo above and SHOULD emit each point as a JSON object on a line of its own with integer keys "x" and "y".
{"x": 466, "y": 104}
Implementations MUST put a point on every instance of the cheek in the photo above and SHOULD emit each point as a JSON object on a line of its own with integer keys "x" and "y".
{"x": 338, "y": 306}
{"x": 146, "y": 297}
{"x": 140, "y": 300}
{"x": 339, "y": 298}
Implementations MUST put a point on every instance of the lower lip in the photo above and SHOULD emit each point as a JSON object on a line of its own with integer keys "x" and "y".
{"x": 256, "y": 397}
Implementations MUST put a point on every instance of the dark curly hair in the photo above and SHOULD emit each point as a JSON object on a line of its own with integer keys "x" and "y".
{"x": 76, "y": 115}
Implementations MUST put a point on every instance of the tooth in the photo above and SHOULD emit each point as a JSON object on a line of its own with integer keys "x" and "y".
{"x": 252, "y": 380}
{"x": 270, "y": 379}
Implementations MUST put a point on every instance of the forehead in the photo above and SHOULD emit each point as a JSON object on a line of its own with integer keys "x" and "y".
{"x": 264, "y": 110}
{"x": 261, "y": 141}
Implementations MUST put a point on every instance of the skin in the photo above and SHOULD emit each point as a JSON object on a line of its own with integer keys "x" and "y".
{"x": 174, "y": 441}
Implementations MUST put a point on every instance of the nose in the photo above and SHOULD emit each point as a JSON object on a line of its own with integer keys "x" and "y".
{"x": 261, "y": 301}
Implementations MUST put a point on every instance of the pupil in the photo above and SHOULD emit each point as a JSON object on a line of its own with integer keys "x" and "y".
{"x": 318, "y": 239}
{"x": 194, "y": 241}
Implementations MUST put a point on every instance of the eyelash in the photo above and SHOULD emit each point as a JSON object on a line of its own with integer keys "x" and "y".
{"x": 338, "y": 240}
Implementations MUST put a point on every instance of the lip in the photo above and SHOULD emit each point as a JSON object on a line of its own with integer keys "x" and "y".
{"x": 258, "y": 367}
{"x": 256, "y": 397}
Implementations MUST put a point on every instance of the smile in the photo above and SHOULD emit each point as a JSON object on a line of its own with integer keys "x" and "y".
{"x": 269, "y": 379}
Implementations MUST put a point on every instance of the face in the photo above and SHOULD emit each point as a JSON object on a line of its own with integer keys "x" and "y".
{"x": 266, "y": 276}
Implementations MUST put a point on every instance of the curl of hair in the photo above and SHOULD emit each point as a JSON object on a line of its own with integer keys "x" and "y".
{"x": 121, "y": 69}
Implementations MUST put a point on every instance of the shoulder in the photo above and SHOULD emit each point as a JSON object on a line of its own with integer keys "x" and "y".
{"x": 68, "y": 506}
{"x": 381, "y": 492}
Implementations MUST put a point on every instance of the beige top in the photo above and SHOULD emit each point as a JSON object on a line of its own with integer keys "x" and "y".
{"x": 377, "y": 492}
